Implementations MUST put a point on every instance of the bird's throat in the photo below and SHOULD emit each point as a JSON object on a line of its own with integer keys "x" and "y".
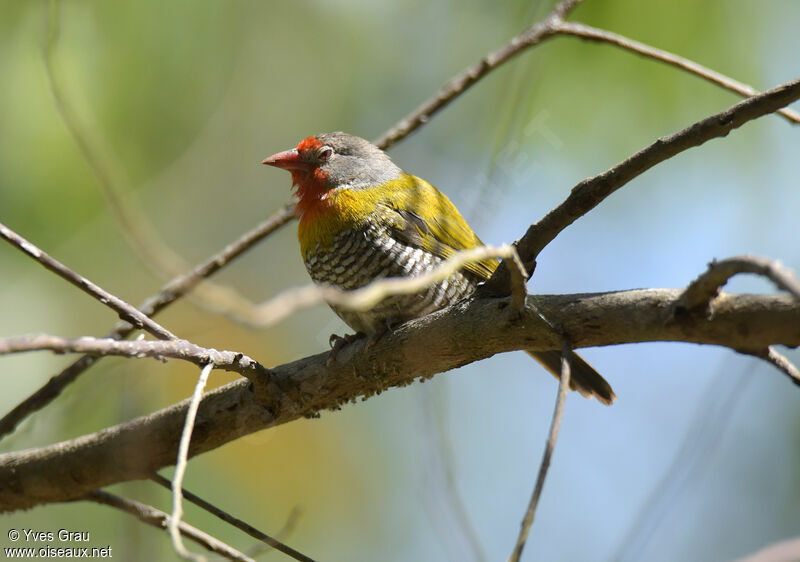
{"x": 312, "y": 193}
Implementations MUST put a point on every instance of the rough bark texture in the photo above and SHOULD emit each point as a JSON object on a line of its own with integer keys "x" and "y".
{"x": 462, "y": 334}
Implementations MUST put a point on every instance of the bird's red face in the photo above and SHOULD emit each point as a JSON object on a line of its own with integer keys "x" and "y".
{"x": 306, "y": 164}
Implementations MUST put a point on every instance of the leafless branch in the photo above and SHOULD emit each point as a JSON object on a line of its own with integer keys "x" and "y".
{"x": 781, "y": 362}
{"x": 519, "y": 277}
{"x": 558, "y": 413}
{"x": 175, "y": 349}
{"x": 174, "y": 521}
{"x": 701, "y": 291}
{"x": 286, "y": 530}
{"x": 125, "y": 311}
{"x": 602, "y": 36}
{"x": 590, "y": 192}
{"x": 460, "y": 83}
{"x": 563, "y": 8}
{"x": 551, "y": 26}
{"x": 298, "y": 298}
{"x": 235, "y": 521}
{"x": 156, "y": 518}
{"x": 171, "y": 292}
{"x": 436, "y": 343}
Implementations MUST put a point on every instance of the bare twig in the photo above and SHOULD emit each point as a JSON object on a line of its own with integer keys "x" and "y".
{"x": 519, "y": 277}
{"x": 235, "y": 521}
{"x": 771, "y": 355}
{"x": 590, "y": 192}
{"x": 563, "y": 8}
{"x": 170, "y": 293}
{"x": 286, "y": 530}
{"x": 365, "y": 298}
{"x": 551, "y": 26}
{"x": 701, "y": 291}
{"x": 558, "y": 413}
{"x": 460, "y": 83}
{"x": 157, "y": 518}
{"x": 600, "y": 35}
{"x": 469, "y": 331}
{"x": 173, "y": 525}
{"x": 125, "y": 311}
{"x": 175, "y": 349}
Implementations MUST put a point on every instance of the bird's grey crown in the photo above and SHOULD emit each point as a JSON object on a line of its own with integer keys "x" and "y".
{"x": 356, "y": 163}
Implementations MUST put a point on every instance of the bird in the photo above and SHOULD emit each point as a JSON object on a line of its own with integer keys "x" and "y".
{"x": 362, "y": 218}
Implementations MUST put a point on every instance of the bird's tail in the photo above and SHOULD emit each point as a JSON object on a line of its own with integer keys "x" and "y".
{"x": 583, "y": 377}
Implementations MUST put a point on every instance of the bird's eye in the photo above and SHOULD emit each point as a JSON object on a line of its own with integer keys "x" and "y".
{"x": 324, "y": 153}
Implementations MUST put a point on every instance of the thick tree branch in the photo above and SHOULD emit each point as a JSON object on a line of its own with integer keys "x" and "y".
{"x": 441, "y": 341}
{"x": 590, "y": 192}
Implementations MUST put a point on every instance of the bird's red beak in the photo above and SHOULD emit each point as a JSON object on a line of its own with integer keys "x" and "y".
{"x": 288, "y": 160}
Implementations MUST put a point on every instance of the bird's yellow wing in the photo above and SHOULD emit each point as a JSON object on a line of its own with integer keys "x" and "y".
{"x": 421, "y": 216}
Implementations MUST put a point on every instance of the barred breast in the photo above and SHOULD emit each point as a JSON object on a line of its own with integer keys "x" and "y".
{"x": 357, "y": 257}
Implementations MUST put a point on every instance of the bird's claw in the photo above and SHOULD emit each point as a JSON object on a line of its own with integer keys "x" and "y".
{"x": 338, "y": 343}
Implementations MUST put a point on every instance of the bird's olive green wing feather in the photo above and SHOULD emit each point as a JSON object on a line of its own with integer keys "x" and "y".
{"x": 423, "y": 217}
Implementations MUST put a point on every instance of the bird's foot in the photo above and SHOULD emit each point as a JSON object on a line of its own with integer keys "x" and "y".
{"x": 338, "y": 343}
{"x": 385, "y": 328}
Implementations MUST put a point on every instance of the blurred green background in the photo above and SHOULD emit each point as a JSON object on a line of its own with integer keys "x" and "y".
{"x": 182, "y": 100}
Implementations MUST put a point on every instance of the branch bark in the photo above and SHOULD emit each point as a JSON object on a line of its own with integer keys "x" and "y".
{"x": 444, "y": 340}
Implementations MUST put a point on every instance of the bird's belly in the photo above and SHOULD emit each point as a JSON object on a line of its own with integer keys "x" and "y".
{"x": 356, "y": 258}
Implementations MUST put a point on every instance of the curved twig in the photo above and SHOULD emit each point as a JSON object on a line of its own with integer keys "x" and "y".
{"x": 589, "y": 33}
{"x": 157, "y": 518}
{"x": 169, "y": 293}
{"x": 552, "y": 437}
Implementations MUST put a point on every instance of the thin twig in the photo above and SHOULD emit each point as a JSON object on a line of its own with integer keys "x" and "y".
{"x": 282, "y": 534}
{"x": 460, "y": 83}
{"x": 558, "y": 413}
{"x": 170, "y": 293}
{"x": 173, "y": 525}
{"x": 519, "y": 277}
{"x": 157, "y": 518}
{"x": 365, "y": 298}
{"x": 600, "y": 35}
{"x": 564, "y": 7}
{"x": 175, "y": 349}
{"x": 702, "y": 291}
{"x": 125, "y": 311}
{"x": 771, "y": 355}
{"x": 235, "y": 521}
{"x": 590, "y": 192}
